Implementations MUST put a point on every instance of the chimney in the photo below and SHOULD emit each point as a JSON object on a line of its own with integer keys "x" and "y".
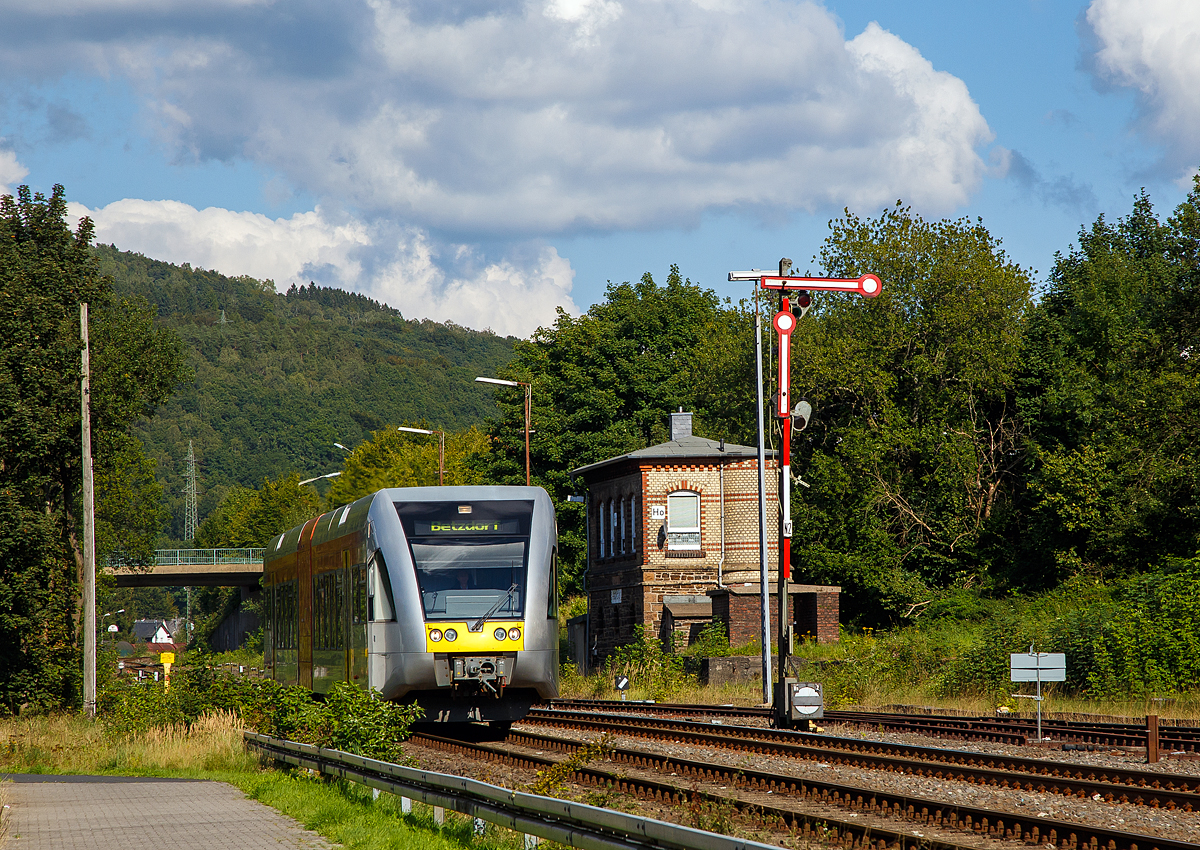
{"x": 681, "y": 425}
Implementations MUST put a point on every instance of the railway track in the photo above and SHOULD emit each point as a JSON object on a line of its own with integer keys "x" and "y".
{"x": 1173, "y": 737}
{"x": 1119, "y": 785}
{"x": 910, "y": 810}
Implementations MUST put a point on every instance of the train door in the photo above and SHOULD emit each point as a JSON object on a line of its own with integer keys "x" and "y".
{"x": 356, "y": 643}
{"x": 380, "y": 612}
{"x": 268, "y": 621}
{"x": 304, "y": 570}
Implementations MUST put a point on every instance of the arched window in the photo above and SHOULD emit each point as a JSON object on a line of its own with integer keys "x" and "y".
{"x": 683, "y": 521}
{"x": 621, "y": 511}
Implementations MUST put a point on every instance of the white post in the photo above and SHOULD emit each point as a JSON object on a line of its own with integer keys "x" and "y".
{"x": 764, "y": 595}
{"x": 89, "y": 526}
{"x": 406, "y": 805}
{"x": 439, "y": 815}
{"x": 1038, "y": 661}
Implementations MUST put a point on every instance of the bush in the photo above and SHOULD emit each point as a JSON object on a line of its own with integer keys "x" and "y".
{"x": 348, "y": 719}
{"x": 1151, "y": 644}
{"x": 712, "y": 642}
{"x": 648, "y": 665}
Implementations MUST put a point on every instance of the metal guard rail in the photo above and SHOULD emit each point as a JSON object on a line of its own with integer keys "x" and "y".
{"x": 573, "y": 824}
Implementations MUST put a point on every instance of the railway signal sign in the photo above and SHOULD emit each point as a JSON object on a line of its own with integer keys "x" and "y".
{"x": 806, "y": 700}
{"x": 621, "y": 683}
{"x": 867, "y": 286}
{"x": 784, "y": 322}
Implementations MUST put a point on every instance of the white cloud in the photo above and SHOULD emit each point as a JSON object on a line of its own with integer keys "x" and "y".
{"x": 1153, "y": 46}
{"x": 526, "y": 118}
{"x": 402, "y": 269}
{"x": 11, "y": 172}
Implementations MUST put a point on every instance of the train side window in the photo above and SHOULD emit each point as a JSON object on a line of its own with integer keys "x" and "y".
{"x": 359, "y": 605}
{"x": 552, "y": 595}
{"x": 379, "y": 591}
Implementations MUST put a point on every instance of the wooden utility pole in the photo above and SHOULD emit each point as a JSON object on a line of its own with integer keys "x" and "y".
{"x": 89, "y": 527}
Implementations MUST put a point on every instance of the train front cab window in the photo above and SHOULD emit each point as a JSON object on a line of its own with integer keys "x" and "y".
{"x": 470, "y": 558}
{"x": 379, "y": 591}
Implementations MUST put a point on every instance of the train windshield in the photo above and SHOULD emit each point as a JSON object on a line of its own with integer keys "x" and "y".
{"x": 469, "y": 556}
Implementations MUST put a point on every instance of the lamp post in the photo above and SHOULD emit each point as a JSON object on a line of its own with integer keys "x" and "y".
{"x": 528, "y": 398}
{"x": 441, "y": 448}
{"x": 318, "y": 478}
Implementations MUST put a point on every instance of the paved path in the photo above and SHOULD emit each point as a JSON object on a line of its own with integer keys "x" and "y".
{"x": 139, "y": 813}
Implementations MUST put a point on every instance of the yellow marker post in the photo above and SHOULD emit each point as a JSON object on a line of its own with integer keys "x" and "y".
{"x": 167, "y": 659}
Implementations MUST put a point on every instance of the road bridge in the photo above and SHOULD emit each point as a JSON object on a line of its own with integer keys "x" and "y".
{"x": 193, "y": 568}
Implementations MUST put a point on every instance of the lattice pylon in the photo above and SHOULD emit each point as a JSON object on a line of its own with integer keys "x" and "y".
{"x": 191, "y": 509}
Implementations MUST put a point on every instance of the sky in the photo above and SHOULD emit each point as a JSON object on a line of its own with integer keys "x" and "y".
{"x": 488, "y": 162}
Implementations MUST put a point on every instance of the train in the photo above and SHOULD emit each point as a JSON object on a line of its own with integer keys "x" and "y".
{"x": 446, "y": 596}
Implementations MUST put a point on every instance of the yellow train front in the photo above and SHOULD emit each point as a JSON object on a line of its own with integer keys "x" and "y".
{"x": 443, "y": 595}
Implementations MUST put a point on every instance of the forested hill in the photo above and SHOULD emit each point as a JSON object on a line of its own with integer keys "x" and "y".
{"x": 280, "y": 377}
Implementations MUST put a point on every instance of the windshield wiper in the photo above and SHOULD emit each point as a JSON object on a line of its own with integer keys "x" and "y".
{"x": 477, "y": 626}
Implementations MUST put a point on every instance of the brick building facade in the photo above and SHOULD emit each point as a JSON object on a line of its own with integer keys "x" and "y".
{"x": 668, "y": 524}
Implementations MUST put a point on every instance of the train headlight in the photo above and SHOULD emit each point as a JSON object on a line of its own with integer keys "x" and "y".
{"x": 514, "y": 633}
{"x": 451, "y": 635}
{"x": 435, "y": 635}
{"x": 499, "y": 634}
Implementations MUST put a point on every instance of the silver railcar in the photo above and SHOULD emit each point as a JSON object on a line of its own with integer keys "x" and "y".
{"x": 443, "y": 595}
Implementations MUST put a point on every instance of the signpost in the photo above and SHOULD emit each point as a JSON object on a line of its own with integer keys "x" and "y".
{"x": 1037, "y": 667}
{"x": 784, "y": 322}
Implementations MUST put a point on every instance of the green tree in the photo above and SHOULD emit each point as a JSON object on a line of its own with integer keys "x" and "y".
{"x": 393, "y": 458}
{"x": 1112, "y": 398}
{"x": 46, "y": 271}
{"x": 914, "y": 454}
{"x": 603, "y": 384}
{"x": 250, "y": 518}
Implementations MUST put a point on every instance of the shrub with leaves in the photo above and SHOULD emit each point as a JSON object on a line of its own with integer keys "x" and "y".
{"x": 648, "y": 665}
{"x": 347, "y": 719}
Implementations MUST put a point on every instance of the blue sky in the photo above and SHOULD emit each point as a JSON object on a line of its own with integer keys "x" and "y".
{"x": 486, "y": 161}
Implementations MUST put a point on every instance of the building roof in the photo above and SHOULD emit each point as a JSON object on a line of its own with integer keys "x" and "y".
{"x": 685, "y": 447}
{"x": 689, "y": 611}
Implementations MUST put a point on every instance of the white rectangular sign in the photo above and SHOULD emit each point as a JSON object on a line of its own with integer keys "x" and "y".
{"x": 1032, "y": 666}
{"x": 614, "y": 597}
{"x": 658, "y": 512}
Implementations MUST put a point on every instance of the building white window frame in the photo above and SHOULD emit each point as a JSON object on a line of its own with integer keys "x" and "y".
{"x": 633, "y": 524}
{"x": 683, "y": 535}
{"x": 600, "y": 528}
{"x": 624, "y": 539}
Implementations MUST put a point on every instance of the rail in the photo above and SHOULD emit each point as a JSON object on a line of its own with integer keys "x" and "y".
{"x": 573, "y": 824}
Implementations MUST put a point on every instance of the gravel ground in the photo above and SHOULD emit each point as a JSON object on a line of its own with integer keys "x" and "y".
{"x": 1105, "y": 757}
{"x": 1130, "y": 818}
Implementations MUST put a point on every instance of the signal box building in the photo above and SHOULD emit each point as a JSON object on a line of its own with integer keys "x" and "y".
{"x": 673, "y": 543}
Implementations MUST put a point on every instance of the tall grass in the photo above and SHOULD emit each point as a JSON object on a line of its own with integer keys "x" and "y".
{"x": 211, "y": 748}
{"x": 70, "y": 744}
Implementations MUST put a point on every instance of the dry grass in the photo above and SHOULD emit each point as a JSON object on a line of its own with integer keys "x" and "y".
{"x": 879, "y": 696}
{"x": 66, "y": 744}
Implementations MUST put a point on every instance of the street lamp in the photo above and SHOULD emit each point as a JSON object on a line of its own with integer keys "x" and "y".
{"x": 343, "y": 448}
{"x": 318, "y": 478}
{"x": 113, "y": 628}
{"x": 528, "y": 391}
{"x": 441, "y": 448}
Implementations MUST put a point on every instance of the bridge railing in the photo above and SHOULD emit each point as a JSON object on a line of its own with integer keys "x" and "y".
{"x": 190, "y": 558}
{"x": 206, "y": 557}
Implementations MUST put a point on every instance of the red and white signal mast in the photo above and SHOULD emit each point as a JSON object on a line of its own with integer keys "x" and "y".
{"x": 784, "y": 322}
